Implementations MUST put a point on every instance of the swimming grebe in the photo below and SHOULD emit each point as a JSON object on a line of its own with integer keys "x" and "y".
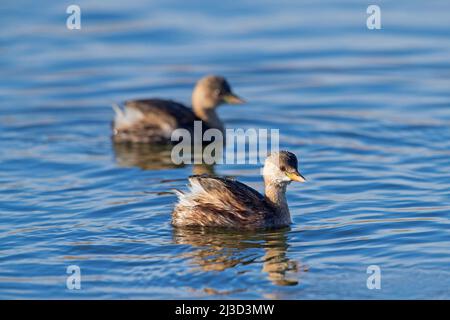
{"x": 154, "y": 120}
{"x": 222, "y": 202}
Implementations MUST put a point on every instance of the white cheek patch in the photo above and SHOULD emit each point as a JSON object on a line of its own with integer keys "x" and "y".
{"x": 271, "y": 170}
{"x": 268, "y": 169}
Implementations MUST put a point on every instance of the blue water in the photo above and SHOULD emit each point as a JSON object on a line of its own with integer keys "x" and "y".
{"x": 366, "y": 111}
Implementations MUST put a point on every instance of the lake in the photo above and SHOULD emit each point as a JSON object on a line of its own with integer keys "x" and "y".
{"x": 366, "y": 111}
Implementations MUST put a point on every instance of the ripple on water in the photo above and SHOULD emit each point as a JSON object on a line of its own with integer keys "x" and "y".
{"x": 367, "y": 112}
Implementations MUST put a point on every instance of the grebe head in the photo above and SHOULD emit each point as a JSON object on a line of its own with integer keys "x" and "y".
{"x": 280, "y": 168}
{"x": 212, "y": 91}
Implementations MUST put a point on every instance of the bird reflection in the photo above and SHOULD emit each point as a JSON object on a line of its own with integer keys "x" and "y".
{"x": 215, "y": 250}
{"x": 152, "y": 157}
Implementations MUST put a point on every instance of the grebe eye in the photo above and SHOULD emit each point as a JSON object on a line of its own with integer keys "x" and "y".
{"x": 283, "y": 168}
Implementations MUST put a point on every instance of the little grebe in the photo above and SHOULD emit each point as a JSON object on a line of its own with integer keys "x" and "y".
{"x": 223, "y": 202}
{"x": 154, "y": 120}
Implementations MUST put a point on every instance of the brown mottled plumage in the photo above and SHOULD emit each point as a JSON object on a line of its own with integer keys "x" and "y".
{"x": 223, "y": 202}
{"x": 154, "y": 120}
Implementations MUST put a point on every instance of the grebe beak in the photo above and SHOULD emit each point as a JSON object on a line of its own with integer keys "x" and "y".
{"x": 296, "y": 176}
{"x": 231, "y": 98}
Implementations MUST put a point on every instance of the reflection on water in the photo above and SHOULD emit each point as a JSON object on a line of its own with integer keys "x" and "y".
{"x": 152, "y": 157}
{"x": 367, "y": 112}
{"x": 144, "y": 156}
{"x": 218, "y": 250}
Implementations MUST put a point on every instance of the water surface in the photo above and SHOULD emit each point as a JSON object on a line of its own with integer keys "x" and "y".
{"x": 367, "y": 112}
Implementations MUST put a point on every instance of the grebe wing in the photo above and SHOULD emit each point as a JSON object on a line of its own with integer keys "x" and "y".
{"x": 152, "y": 119}
{"x": 222, "y": 202}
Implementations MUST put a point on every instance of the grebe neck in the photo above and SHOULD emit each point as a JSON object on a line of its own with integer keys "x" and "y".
{"x": 276, "y": 194}
{"x": 210, "y": 117}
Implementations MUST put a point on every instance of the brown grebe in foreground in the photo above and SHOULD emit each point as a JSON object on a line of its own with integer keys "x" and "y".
{"x": 154, "y": 120}
{"x": 222, "y": 202}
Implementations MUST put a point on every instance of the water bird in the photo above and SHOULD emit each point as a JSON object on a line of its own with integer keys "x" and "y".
{"x": 154, "y": 120}
{"x": 227, "y": 203}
